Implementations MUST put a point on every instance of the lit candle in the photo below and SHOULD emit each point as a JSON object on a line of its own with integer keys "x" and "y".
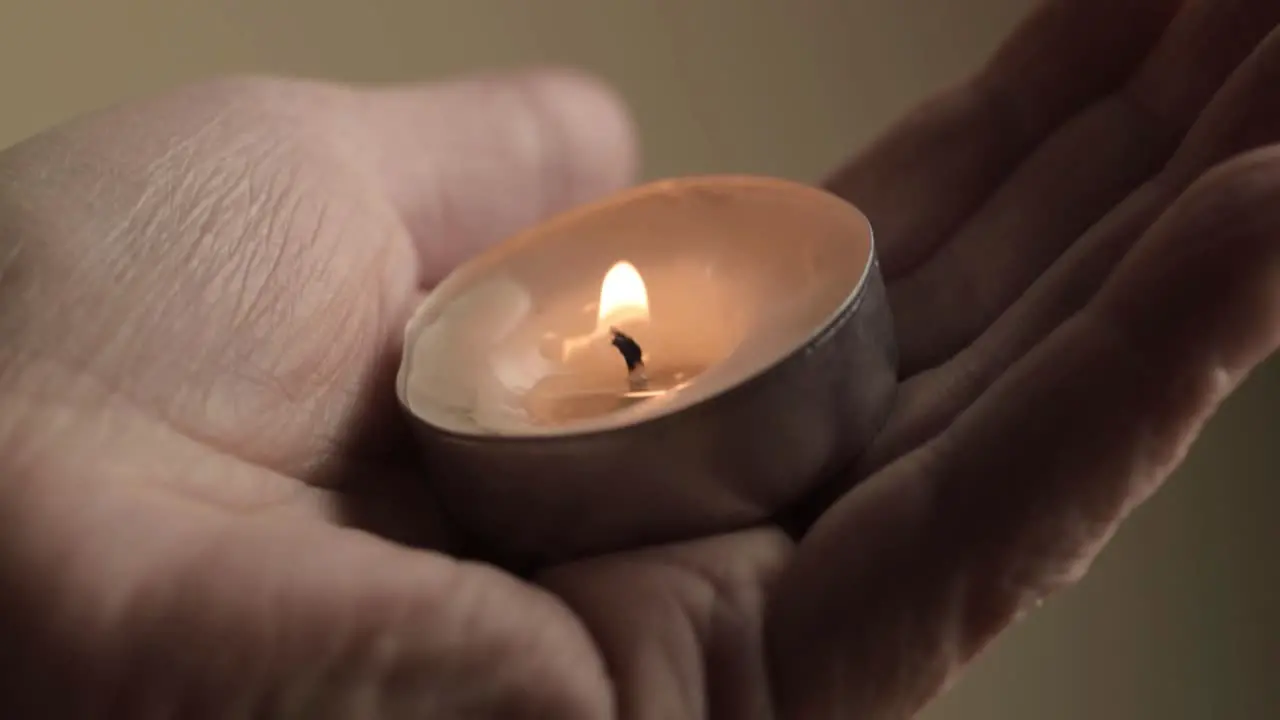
{"x": 686, "y": 356}
{"x": 608, "y": 369}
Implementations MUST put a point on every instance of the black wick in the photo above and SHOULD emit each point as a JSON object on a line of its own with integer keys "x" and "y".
{"x": 631, "y": 352}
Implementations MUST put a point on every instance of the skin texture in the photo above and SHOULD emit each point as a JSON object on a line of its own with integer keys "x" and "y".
{"x": 208, "y": 506}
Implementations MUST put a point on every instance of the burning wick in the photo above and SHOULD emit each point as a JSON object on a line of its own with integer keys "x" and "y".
{"x": 633, "y": 356}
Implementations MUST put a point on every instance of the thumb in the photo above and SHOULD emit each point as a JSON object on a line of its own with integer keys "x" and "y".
{"x": 182, "y": 583}
{"x": 391, "y": 632}
{"x": 301, "y": 619}
{"x": 471, "y": 161}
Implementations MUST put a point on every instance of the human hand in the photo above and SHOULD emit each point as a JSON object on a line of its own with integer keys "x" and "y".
{"x": 204, "y": 293}
{"x": 1082, "y": 246}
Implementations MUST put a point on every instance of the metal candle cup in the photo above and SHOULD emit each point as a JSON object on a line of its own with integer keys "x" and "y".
{"x": 763, "y": 361}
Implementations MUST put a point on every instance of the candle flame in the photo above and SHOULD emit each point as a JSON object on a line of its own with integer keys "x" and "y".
{"x": 623, "y": 296}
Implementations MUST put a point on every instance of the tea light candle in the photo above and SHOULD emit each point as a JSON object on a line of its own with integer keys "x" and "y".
{"x": 685, "y": 357}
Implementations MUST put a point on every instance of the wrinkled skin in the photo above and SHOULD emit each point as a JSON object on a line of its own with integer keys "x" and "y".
{"x": 207, "y": 505}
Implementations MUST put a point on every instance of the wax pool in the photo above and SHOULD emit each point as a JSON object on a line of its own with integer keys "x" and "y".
{"x": 599, "y": 372}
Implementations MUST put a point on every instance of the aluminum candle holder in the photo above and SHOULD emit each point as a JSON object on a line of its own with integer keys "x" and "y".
{"x": 685, "y": 357}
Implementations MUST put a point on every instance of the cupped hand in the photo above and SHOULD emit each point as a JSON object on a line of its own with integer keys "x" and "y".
{"x": 207, "y": 506}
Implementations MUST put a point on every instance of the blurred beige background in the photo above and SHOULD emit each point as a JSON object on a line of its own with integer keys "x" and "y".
{"x": 1180, "y": 619}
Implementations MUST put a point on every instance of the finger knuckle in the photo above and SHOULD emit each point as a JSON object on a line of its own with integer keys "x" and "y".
{"x": 572, "y": 128}
{"x": 1240, "y": 192}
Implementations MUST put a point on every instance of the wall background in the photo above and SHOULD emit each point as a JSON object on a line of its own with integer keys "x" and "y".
{"x": 1180, "y": 619}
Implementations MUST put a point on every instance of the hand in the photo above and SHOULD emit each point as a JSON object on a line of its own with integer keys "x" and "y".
{"x": 1082, "y": 246}
{"x": 201, "y": 296}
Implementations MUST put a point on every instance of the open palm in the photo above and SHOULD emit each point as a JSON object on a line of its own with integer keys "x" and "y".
{"x": 208, "y": 507}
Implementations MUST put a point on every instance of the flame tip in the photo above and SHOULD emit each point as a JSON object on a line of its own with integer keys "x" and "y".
{"x": 622, "y": 295}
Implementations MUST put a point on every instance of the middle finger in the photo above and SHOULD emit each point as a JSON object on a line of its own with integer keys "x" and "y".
{"x": 1078, "y": 174}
